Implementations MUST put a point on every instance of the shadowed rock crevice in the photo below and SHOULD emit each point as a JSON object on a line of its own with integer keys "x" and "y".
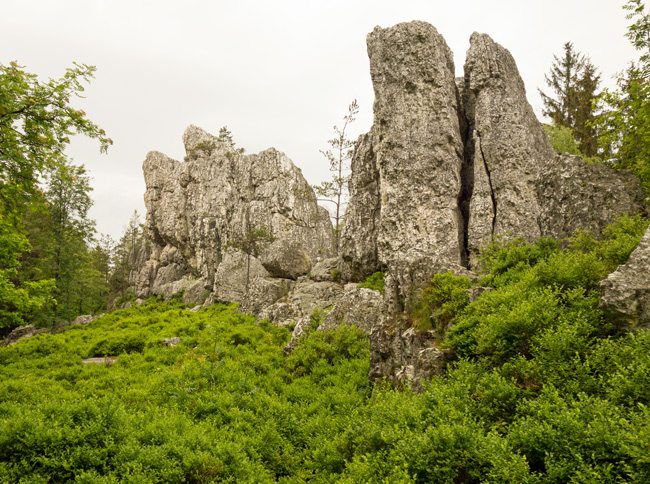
{"x": 489, "y": 180}
{"x": 466, "y": 179}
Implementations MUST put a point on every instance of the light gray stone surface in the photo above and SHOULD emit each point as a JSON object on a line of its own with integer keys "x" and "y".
{"x": 625, "y": 293}
{"x": 286, "y": 259}
{"x": 506, "y": 145}
{"x": 406, "y": 171}
{"x": 199, "y": 209}
{"x": 403, "y": 355}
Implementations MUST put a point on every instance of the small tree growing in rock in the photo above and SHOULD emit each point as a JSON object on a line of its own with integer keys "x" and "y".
{"x": 225, "y": 136}
{"x": 251, "y": 244}
{"x": 339, "y": 156}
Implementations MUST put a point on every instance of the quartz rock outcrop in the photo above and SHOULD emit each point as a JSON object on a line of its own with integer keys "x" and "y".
{"x": 360, "y": 307}
{"x": 506, "y": 147}
{"x": 213, "y": 216}
{"x": 22, "y": 332}
{"x": 575, "y": 195}
{"x": 406, "y": 172}
{"x": 625, "y": 293}
{"x": 403, "y": 355}
{"x": 448, "y": 164}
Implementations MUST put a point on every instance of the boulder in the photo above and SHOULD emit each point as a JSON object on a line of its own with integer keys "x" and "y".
{"x": 574, "y": 195}
{"x": 83, "y": 320}
{"x": 286, "y": 259}
{"x": 302, "y": 327}
{"x": 171, "y": 342}
{"x": 323, "y": 270}
{"x": 360, "y": 307}
{"x": 264, "y": 292}
{"x": 22, "y": 332}
{"x": 301, "y": 302}
{"x": 625, "y": 293}
{"x": 234, "y": 276}
{"x": 197, "y": 291}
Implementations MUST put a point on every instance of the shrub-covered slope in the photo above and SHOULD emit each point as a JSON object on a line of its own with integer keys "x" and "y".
{"x": 541, "y": 389}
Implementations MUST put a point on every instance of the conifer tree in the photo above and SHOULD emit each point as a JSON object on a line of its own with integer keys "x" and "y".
{"x": 574, "y": 81}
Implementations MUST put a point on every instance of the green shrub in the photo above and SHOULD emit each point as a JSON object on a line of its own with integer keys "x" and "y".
{"x": 374, "y": 281}
{"x": 336, "y": 275}
{"x": 443, "y": 298}
{"x": 505, "y": 261}
{"x": 327, "y": 347}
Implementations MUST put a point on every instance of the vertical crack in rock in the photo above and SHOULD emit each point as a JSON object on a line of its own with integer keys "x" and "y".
{"x": 489, "y": 179}
{"x": 466, "y": 177}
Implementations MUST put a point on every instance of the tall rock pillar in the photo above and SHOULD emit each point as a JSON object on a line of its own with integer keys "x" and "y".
{"x": 406, "y": 172}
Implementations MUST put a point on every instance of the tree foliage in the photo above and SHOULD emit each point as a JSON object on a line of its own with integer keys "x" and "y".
{"x": 339, "y": 156}
{"x": 44, "y": 233}
{"x": 36, "y": 121}
{"x": 625, "y": 123}
{"x": 574, "y": 81}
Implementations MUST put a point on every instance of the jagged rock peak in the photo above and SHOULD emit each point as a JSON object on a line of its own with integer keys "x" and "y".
{"x": 194, "y": 137}
{"x": 205, "y": 211}
{"x": 406, "y": 172}
{"x": 506, "y": 147}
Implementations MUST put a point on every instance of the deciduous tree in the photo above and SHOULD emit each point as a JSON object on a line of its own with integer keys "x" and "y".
{"x": 36, "y": 121}
{"x": 339, "y": 156}
{"x": 625, "y": 123}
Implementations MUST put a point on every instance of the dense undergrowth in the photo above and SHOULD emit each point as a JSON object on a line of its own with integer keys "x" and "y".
{"x": 543, "y": 389}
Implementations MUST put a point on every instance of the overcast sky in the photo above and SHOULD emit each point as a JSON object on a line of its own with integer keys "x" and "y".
{"x": 277, "y": 73}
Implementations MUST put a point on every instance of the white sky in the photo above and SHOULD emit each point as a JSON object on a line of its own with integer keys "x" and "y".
{"x": 277, "y": 73}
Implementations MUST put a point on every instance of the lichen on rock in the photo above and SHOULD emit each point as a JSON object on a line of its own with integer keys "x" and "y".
{"x": 201, "y": 212}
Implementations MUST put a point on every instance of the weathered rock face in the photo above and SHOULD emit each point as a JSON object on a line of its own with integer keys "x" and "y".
{"x": 402, "y": 355}
{"x": 406, "y": 171}
{"x": 575, "y": 195}
{"x": 221, "y": 206}
{"x": 22, "y": 332}
{"x": 286, "y": 259}
{"x": 506, "y": 146}
{"x": 451, "y": 162}
{"x": 305, "y": 296}
{"x": 625, "y": 293}
{"x": 360, "y": 307}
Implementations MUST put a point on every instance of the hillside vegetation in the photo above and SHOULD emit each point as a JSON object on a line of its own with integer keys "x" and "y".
{"x": 542, "y": 389}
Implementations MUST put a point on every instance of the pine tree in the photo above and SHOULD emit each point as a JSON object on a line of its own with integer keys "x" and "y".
{"x": 586, "y": 110}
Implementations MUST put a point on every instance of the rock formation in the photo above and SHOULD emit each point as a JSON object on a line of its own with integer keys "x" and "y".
{"x": 212, "y": 217}
{"x": 403, "y": 355}
{"x": 506, "y": 147}
{"x": 625, "y": 293}
{"x": 450, "y": 163}
{"x": 575, "y": 195}
{"x": 406, "y": 172}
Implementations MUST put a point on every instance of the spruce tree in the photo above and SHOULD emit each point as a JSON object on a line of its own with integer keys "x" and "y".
{"x": 574, "y": 81}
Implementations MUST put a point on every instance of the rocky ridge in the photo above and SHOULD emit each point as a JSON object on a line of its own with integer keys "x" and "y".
{"x": 211, "y": 217}
{"x": 448, "y": 164}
